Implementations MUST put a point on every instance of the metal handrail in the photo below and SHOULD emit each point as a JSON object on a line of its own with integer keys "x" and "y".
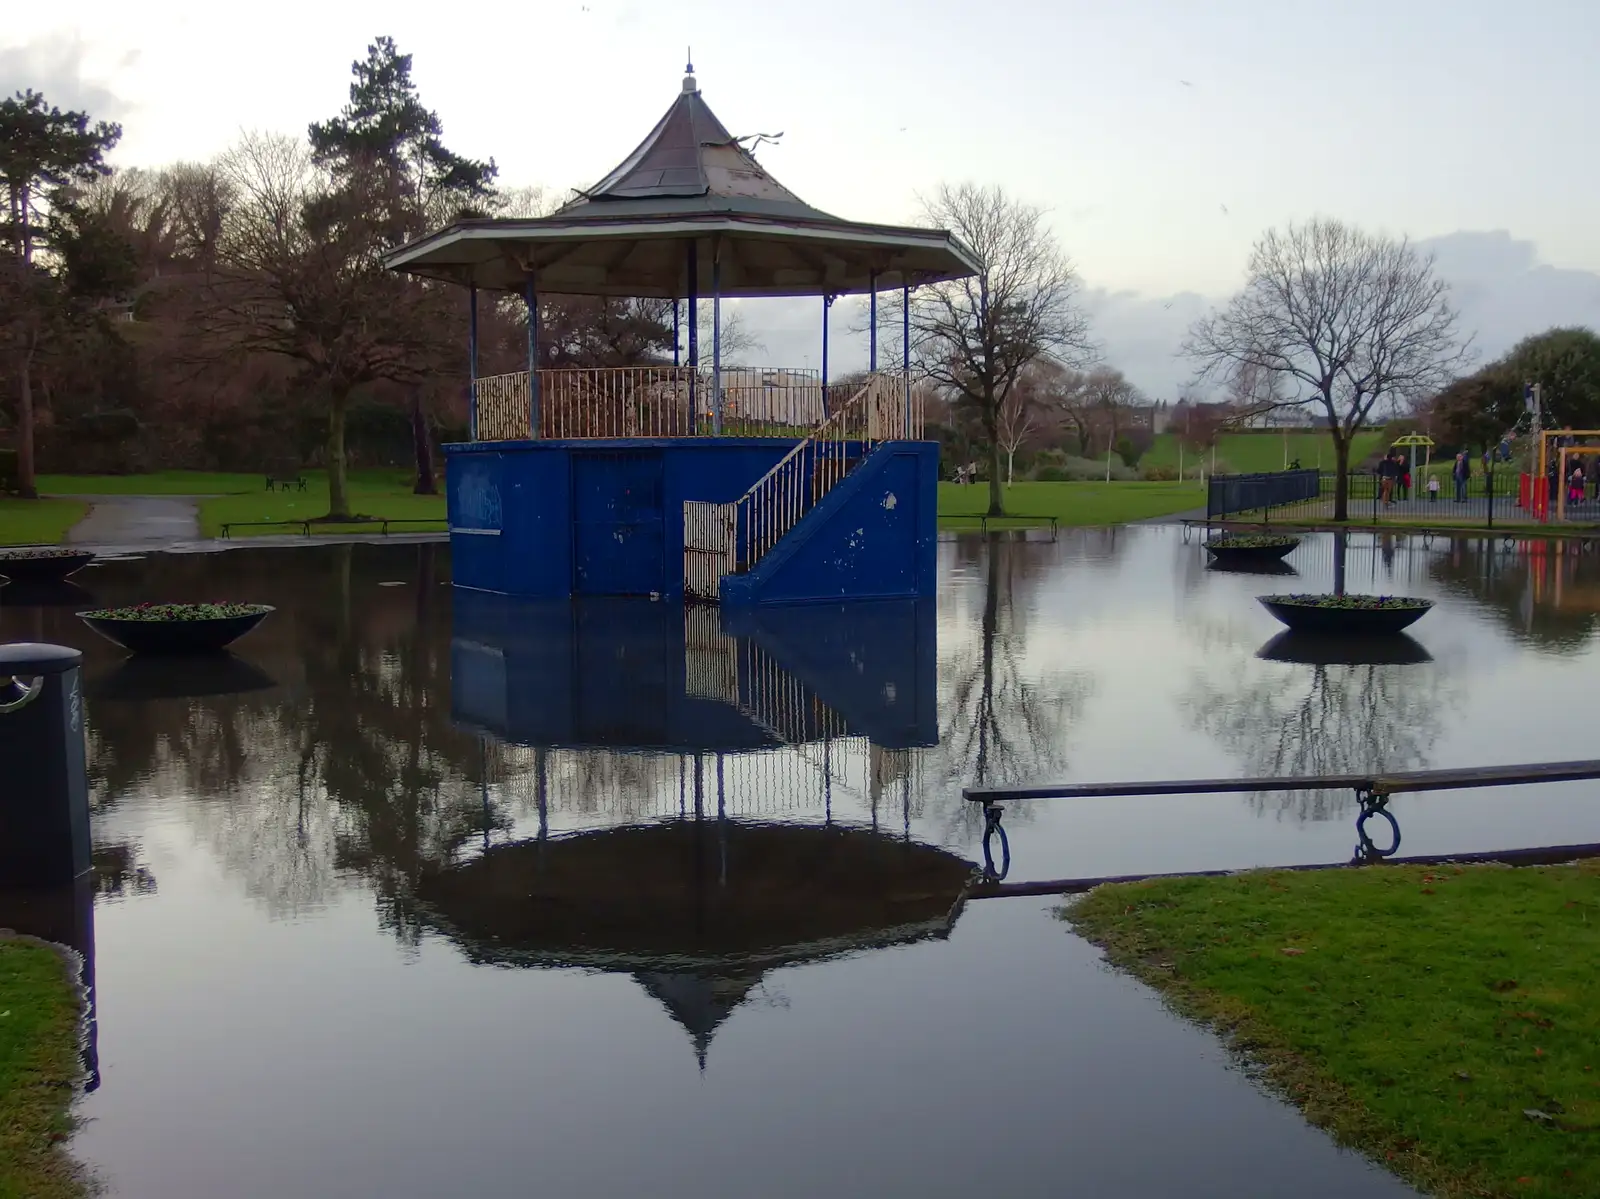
{"x": 775, "y": 502}
{"x": 1396, "y": 782}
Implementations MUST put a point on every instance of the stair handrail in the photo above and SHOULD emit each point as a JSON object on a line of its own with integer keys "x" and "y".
{"x": 777, "y": 500}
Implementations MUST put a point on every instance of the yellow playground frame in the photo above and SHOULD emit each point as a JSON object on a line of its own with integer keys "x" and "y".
{"x": 1561, "y": 479}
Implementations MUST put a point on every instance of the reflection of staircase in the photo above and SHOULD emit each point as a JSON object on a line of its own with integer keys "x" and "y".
{"x": 731, "y": 538}
{"x": 743, "y": 675}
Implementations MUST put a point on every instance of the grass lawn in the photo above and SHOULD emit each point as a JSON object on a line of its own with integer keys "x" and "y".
{"x": 1445, "y": 1020}
{"x": 374, "y": 493}
{"x": 37, "y": 522}
{"x": 1250, "y": 453}
{"x": 1071, "y": 503}
{"x": 38, "y": 1068}
{"x": 244, "y": 497}
{"x": 164, "y": 482}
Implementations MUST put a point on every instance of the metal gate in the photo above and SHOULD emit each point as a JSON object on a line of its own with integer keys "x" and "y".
{"x": 618, "y": 540}
{"x": 707, "y": 547}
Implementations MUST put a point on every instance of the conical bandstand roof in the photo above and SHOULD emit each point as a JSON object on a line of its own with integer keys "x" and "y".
{"x": 689, "y": 180}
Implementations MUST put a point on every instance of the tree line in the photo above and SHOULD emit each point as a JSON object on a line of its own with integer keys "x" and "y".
{"x": 225, "y": 313}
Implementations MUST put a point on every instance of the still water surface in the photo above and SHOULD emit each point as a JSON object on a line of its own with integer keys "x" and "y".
{"x": 414, "y": 899}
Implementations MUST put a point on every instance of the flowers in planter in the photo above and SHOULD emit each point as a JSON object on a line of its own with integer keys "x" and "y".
{"x": 175, "y": 612}
{"x": 1356, "y": 603}
{"x": 1250, "y": 541}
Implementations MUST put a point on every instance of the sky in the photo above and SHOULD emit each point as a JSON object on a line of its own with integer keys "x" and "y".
{"x": 1161, "y": 136}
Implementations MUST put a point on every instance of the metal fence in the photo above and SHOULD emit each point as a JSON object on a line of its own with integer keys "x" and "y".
{"x": 1486, "y": 499}
{"x": 1230, "y": 494}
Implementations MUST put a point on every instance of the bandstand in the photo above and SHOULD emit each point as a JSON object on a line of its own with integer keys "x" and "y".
{"x": 745, "y": 486}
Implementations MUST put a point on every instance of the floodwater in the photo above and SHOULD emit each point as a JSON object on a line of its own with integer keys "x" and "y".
{"x": 432, "y": 893}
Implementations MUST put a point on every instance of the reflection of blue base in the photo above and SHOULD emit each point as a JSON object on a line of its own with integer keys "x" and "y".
{"x": 629, "y": 673}
{"x": 560, "y": 519}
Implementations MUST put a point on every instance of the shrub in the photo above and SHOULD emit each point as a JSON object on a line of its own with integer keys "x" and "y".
{"x": 9, "y": 472}
{"x": 1131, "y": 447}
{"x": 1159, "y": 474}
{"x": 1081, "y": 470}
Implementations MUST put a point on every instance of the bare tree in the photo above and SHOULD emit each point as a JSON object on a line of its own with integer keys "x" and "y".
{"x": 1253, "y": 391}
{"x": 299, "y": 273}
{"x": 1018, "y": 419}
{"x": 974, "y": 337}
{"x": 1352, "y": 317}
{"x": 1110, "y": 397}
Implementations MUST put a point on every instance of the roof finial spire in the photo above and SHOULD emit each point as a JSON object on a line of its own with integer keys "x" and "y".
{"x": 689, "y": 85}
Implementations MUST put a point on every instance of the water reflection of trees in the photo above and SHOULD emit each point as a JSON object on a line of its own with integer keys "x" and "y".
{"x": 350, "y": 767}
{"x": 1285, "y": 718}
{"x": 1004, "y": 715}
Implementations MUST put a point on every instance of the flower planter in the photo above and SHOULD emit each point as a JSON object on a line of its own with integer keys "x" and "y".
{"x": 1347, "y": 615}
{"x": 41, "y": 565}
{"x": 1250, "y": 549}
{"x": 176, "y": 628}
{"x": 1321, "y": 649}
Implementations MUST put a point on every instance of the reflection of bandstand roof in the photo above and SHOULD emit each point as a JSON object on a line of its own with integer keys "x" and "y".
{"x": 697, "y": 911}
{"x": 689, "y": 180}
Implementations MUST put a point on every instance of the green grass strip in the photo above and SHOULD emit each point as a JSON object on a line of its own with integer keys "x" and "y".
{"x": 1071, "y": 503}
{"x": 1444, "y": 1020}
{"x": 37, "y": 522}
{"x": 39, "y": 1068}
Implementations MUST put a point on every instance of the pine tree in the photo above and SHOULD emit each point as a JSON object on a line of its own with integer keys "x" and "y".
{"x": 44, "y": 154}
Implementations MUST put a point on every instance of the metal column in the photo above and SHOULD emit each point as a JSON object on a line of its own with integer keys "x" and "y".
{"x": 531, "y": 296}
{"x": 472, "y": 360}
{"x": 905, "y": 349}
{"x": 827, "y": 303}
{"x": 716, "y": 340}
{"x": 694, "y": 333}
{"x": 872, "y": 320}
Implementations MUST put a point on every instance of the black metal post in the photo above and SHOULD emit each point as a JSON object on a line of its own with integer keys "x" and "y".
{"x": 1491, "y": 490}
{"x": 44, "y": 796}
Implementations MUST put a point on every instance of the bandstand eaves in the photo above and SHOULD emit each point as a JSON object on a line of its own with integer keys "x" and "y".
{"x": 636, "y": 248}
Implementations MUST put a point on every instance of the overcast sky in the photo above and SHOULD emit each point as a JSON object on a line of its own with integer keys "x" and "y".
{"x": 1163, "y": 135}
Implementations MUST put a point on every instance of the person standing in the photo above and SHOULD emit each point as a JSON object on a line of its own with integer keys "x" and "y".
{"x": 1461, "y": 473}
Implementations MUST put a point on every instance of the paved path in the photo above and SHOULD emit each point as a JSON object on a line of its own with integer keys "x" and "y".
{"x": 137, "y": 520}
{"x": 142, "y": 523}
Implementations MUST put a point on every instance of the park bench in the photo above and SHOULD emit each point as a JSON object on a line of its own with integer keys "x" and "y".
{"x": 1020, "y": 520}
{"x": 383, "y": 524}
{"x": 287, "y": 476}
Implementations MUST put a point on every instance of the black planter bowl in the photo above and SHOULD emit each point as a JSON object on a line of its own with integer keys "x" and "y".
{"x": 186, "y": 636}
{"x": 1321, "y": 649}
{"x": 1253, "y": 548}
{"x": 145, "y": 677}
{"x": 30, "y": 565}
{"x": 1303, "y": 614}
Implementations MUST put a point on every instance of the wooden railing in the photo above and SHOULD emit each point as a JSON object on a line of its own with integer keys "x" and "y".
{"x": 669, "y": 401}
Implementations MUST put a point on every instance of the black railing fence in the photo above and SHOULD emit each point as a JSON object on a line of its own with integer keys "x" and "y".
{"x": 1227, "y": 495}
{"x": 1484, "y": 498}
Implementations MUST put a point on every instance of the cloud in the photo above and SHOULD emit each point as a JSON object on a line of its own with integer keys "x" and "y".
{"x": 1502, "y": 290}
{"x": 55, "y": 66}
{"x": 1497, "y": 283}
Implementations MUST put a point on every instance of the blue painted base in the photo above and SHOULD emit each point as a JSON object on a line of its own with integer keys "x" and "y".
{"x": 637, "y": 674}
{"x": 559, "y": 519}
